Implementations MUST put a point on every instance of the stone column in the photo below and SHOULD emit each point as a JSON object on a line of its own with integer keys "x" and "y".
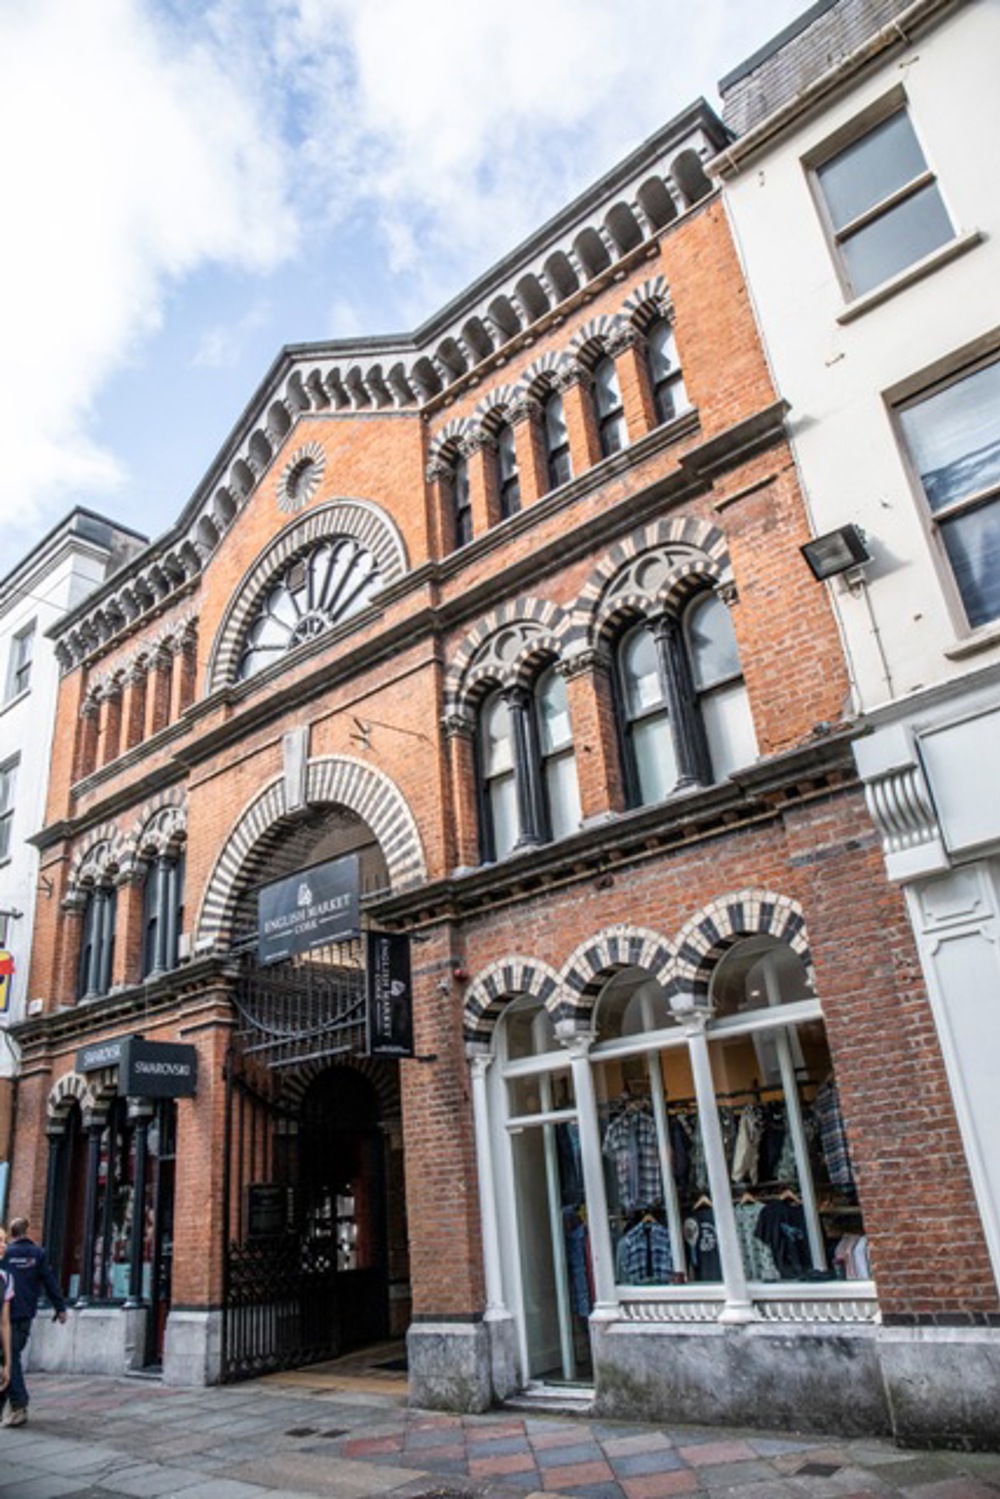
{"x": 685, "y": 724}
{"x": 526, "y": 778}
{"x": 94, "y": 1126}
{"x": 102, "y": 947}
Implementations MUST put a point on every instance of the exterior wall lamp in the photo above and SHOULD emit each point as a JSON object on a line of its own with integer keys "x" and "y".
{"x": 842, "y": 551}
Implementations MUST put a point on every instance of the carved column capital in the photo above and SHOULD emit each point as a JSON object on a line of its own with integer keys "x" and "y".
{"x": 458, "y": 726}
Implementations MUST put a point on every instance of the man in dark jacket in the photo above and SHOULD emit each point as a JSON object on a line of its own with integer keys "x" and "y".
{"x": 27, "y": 1267}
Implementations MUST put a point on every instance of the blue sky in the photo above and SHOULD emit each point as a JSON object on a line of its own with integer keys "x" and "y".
{"x": 190, "y": 185}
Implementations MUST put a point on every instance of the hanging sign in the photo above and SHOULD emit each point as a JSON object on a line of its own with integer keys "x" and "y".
{"x": 100, "y": 1054}
{"x": 309, "y": 909}
{"x": 6, "y": 975}
{"x": 390, "y": 995}
{"x": 157, "y": 1069}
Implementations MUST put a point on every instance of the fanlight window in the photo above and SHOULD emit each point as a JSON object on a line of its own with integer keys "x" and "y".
{"x": 310, "y": 595}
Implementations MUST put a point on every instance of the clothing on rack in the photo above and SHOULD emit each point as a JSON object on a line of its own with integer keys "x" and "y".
{"x": 703, "y": 1244}
{"x": 851, "y": 1259}
{"x": 644, "y": 1256}
{"x": 782, "y": 1227}
{"x": 578, "y": 1265}
{"x": 758, "y": 1261}
{"x": 631, "y": 1145}
{"x": 832, "y": 1135}
{"x": 570, "y": 1161}
{"x": 746, "y": 1153}
{"x": 681, "y": 1135}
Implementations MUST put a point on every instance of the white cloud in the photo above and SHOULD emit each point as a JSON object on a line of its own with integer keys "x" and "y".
{"x": 222, "y": 345}
{"x": 131, "y": 156}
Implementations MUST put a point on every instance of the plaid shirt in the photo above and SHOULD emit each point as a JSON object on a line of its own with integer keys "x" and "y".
{"x": 644, "y": 1257}
{"x": 833, "y": 1138}
{"x": 630, "y": 1144}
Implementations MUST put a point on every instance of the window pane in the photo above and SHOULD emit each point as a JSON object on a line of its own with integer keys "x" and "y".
{"x": 902, "y": 235}
{"x": 972, "y": 541}
{"x": 607, "y": 396}
{"x": 655, "y": 761}
{"x": 613, "y": 434}
{"x": 503, "y": 811}
{"x": 553, "y": 712}
{"x": 640, "y": 672}
{"x": 662, "y": 351}
{"x": 506, "y": 452}
{"x": 729, "y": 729}
{"x": 871, "y": 169}
{"x": 954, "y": 438}
{"x": 498, "y": 748}
{"x": 560, "y": 468}
{"x": 556, "y": 433}
{"x": 529, "y": 1030}
{"x": 711, "y": 642}
{"x": 563, "y": 793}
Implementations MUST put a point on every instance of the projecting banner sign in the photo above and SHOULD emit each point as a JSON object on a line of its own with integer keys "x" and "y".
{"x": 390, "y": 995}
{"x": 309, "y": 909}
{"x": 157, "y": 1069}
{"x": 101, "y": 1054}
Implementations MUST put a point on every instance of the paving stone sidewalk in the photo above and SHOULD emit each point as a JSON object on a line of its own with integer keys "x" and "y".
{"x": 104, "y": 1439}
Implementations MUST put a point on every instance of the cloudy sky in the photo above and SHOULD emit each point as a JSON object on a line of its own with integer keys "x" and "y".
{"x": 189, "y": 185}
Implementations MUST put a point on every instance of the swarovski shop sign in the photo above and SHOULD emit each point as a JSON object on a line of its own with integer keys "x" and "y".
{"x": 309, "y": 909}
{"x": 146, "y": 1069}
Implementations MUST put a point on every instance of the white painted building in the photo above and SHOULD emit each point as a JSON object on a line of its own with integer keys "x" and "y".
{"x": 864, "y": 192}
{"x": 75, "y": 557}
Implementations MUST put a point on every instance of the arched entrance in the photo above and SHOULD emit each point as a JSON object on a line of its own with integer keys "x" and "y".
{"x": 315, "y": 1254}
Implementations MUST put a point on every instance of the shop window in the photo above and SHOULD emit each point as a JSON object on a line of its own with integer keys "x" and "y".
{"x": 312, "y": 593}
{"x": 162, "y": 914}
{"x": 8, "y": 781}
{"x": 611, "y": 430}
{"x": 560, "y": 468}
{"x": 22, "y": 649}
{"x": 666, "y": 381}
{"x": 683, "y": 704}
{"x": 953, "y": 437}
{"x": 461, "y": 502}
{"x": 68, "y": 1210}
{"x": 114, "y": 1206}
{"x": 529, "y": 791}
{"x": 508, "y": 478}
{"x": 884, "y": 207}
{"x": 97, "y": 943}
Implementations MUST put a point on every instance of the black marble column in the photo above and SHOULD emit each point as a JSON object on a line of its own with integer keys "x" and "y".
{"x": 141, "y": 1113}
{"x": 690, "y": 747}
{"x": 526, "y": 769}
{"x": 95, "y": 1129}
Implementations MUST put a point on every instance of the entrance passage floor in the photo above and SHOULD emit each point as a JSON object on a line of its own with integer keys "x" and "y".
{"x": 379, "y": 1369}
{"x": 90, "y": 1438}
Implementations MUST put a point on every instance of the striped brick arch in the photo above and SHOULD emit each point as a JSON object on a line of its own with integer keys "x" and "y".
{"x": 538, "y": 627}
{"x": 653, "y": 571}
{"x": 335, "y": 780}
{"x": 385, "y": 1081}
{"x": 588, "y": 969}
{"x": 102, "y": 855}
{"x": 590, "y": 342}
{"x": 492, "y": 410}
{"x": 493, "y": 989}
{"x": 366, "y": 523}
{"x": 708, "y": 936}
{"x": 541, "y": 374}
{"x": 648, "y": 302}
{"x": 94, "y": 1094}
{"x": 160, "y": 826}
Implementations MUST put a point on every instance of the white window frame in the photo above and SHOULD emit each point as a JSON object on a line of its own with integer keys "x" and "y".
{"x": 17, "y": 663}
{"x": 8, "y": 785}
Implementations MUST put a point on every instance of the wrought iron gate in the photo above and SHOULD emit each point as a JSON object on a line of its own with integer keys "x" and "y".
{"x": 285, "y": 1300}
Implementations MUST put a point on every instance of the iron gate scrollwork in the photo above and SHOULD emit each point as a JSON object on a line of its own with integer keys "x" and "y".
{"x": 285, "y": 1301}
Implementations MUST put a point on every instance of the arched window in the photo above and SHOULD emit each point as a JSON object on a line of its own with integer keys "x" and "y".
{"x": 685, "y": 714}
{"x": 650, "y": 760}
{"x": 162, "y": 913}
{"x": 669, "y": 395}
{"x": 528, "y": 781}
{"x": 461, "y": 502}
{"x": 611, "y": 430}
{"x": 556, "y": 441}
{"x": 508, "y": 479}
{"x": 720, "y": 693}
{"x": 313, "y": 592}
{"x": 97, "y": 944}
{"x": 558, "y": 762}
{"x": 499, "y": 788}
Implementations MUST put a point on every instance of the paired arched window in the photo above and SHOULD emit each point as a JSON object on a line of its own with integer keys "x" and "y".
{"x": 669, "y": 395}
{"x": 97, "y": 943}
{"x": 508, "y": 478}
{"x": 684, "y": 710}
{"x": 608, "y": 409}
{"x": 527, "y": 766}
{"x": 162, "y": 913}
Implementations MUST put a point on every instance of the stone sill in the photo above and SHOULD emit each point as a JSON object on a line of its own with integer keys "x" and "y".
{"x": 916, "y": 272}
{"x": 970, "y": 645}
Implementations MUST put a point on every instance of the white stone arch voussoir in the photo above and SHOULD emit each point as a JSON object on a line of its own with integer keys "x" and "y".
{"x": 492, "y": 990}
{"x": 369, "y": 525}
{"x": 334, "y": 780}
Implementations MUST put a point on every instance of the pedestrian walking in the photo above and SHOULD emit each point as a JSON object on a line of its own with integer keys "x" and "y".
{"x": 25, "y": 1265}
{"x": 6, "y": 1297}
